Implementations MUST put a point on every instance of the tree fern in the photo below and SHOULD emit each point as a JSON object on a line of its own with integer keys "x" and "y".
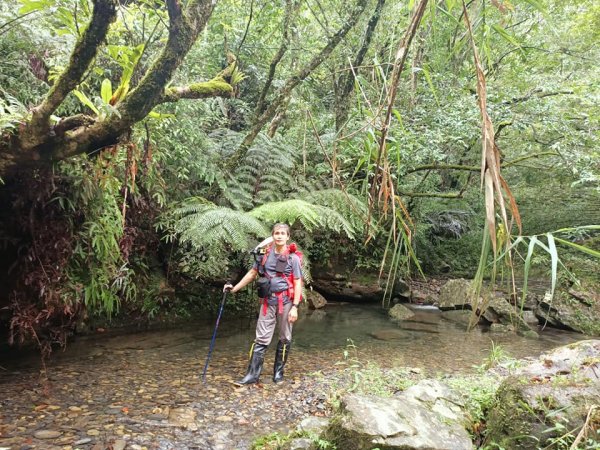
{"x": 202, "y": 223}
{"x": 264, "y": 175}
{"x": 351, "y": 207}
{"x": 310, "y": 215}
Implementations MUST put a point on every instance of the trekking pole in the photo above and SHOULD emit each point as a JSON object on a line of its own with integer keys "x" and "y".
{"x": 214, "y": 336}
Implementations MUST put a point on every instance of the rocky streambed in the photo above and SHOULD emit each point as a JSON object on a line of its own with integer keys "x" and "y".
{"x": 145, "y": 390}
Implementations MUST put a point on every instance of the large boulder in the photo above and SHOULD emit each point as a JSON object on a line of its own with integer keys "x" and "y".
{"x": 501, "y": 311}
{"x": 455, "y": 294}
{"x": 544, "y": 399}
{"x": 571, "y": 309}
{"x": 426, "y": 416}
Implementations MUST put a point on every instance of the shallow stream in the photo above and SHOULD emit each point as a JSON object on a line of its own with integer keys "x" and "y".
{"x": 144, "y": 390}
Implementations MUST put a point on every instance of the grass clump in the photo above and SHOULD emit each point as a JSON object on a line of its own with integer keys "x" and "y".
{"x": 279, "y": 441}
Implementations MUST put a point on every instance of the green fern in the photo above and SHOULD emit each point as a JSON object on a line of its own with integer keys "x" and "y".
{"x": 310, "y": 215}
{"x": 201, "y": 224}
{"x": 265, "y": 174}
{"x": 351, "y": 207}
{"x": 12, "y": 112}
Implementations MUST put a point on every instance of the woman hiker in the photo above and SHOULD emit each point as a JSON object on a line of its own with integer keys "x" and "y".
{"x": 282, "y": 268}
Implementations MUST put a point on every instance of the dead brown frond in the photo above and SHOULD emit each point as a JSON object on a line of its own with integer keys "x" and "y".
{"x": 382, "y": 187}
{"x": 495, "y": 188}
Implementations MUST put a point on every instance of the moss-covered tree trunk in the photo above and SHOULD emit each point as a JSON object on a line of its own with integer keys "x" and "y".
{"x": 40, "y": 142}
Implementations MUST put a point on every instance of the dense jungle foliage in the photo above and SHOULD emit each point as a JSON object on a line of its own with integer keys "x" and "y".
{"x": 126, "y": 175}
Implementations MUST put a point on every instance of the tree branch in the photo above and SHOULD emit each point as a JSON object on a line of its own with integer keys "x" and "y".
{"x": 83, "y": 54}
{"x": 444, "y": 167}
{"x": 477, "y": 168}
{"x": 432, "y": 194}
{"x": 290, "y": 7}
{"x": 292, "y": 82}
{"x": 217, "y": 87}
{"x": 538, "y": 93}
{"x": 346, "y": 81}
{"x": 184, "y": 27}
{"x": 237, "y": 53}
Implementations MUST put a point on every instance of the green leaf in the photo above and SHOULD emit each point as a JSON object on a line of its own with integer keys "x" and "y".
{"x": 398, "y": 117}
{"x": 510, "y": 38}
{"x": 85, "y": 100}
{"x": 34, "y": 5}
{"x": 106, "y": 90}
{"x": 581, "y": 248}
{"x": 554, "y": 261}
{"x": 431, "y": 86}
{"x": 537, "y": 5}
{"x": 585, "y": 227}
{"x": 532, "y": 243}
{"x": 447, "y": 14}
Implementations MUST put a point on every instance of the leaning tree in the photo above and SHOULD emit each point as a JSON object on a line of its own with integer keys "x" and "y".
{"x": 43, "y": 138}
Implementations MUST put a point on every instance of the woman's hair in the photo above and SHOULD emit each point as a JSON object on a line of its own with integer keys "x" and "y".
{"x": 285, "y": 226}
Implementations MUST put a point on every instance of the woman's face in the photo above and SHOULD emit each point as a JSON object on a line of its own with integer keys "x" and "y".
{"x": 280, "y": 236}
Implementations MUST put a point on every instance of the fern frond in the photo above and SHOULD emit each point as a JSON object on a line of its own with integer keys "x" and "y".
{"x": 203, "y": 224}
{"x": 351, "y": 207}
{"x": 193, "y": 205}
{"x": 12, "y": 112}
{"x": 310, "y": 215}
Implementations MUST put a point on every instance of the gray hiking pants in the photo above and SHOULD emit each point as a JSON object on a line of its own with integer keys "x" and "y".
{"x": 266, "y": 324}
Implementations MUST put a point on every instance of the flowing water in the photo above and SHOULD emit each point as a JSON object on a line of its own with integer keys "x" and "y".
{"x": 144, "y": 390}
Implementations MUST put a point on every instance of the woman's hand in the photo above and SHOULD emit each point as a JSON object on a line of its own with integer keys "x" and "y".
{"x": 228, "y": 287}
{"x": 293, "y": 314}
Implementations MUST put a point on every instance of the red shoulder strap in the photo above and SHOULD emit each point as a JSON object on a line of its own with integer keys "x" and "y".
{"x": 266, "y": 255}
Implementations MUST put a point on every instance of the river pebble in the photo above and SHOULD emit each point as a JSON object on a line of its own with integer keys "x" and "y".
{"x": 46, "y": 434}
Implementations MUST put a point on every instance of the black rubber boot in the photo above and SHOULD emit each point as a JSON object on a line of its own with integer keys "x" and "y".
{"x": 281, "y": 357}
{"x": 257, "y": 357}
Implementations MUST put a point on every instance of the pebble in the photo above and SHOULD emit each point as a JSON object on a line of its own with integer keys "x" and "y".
{"x": 46, "y": 434}
{"x": 119, "y": 444}
{"x": 93, "y": 432}
{"x": 82, "y": 441}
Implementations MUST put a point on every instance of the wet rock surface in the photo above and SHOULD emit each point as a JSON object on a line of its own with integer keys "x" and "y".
{"x": 455, "y": 295}
{"x": 315, "y": 300}
{"x": 425, "y": 416}
{"x": 400, "y": 312}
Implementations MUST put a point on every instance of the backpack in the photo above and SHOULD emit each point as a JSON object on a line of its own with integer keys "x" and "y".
{"x": 265, "y": 294}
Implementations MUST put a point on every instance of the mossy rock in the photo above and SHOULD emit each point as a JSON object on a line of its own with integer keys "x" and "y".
{"x": 455, "y": 294}
{"x": 546, "y": 397}
{"x": 400, "y": 312}
{"x": 574, "y": 310}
